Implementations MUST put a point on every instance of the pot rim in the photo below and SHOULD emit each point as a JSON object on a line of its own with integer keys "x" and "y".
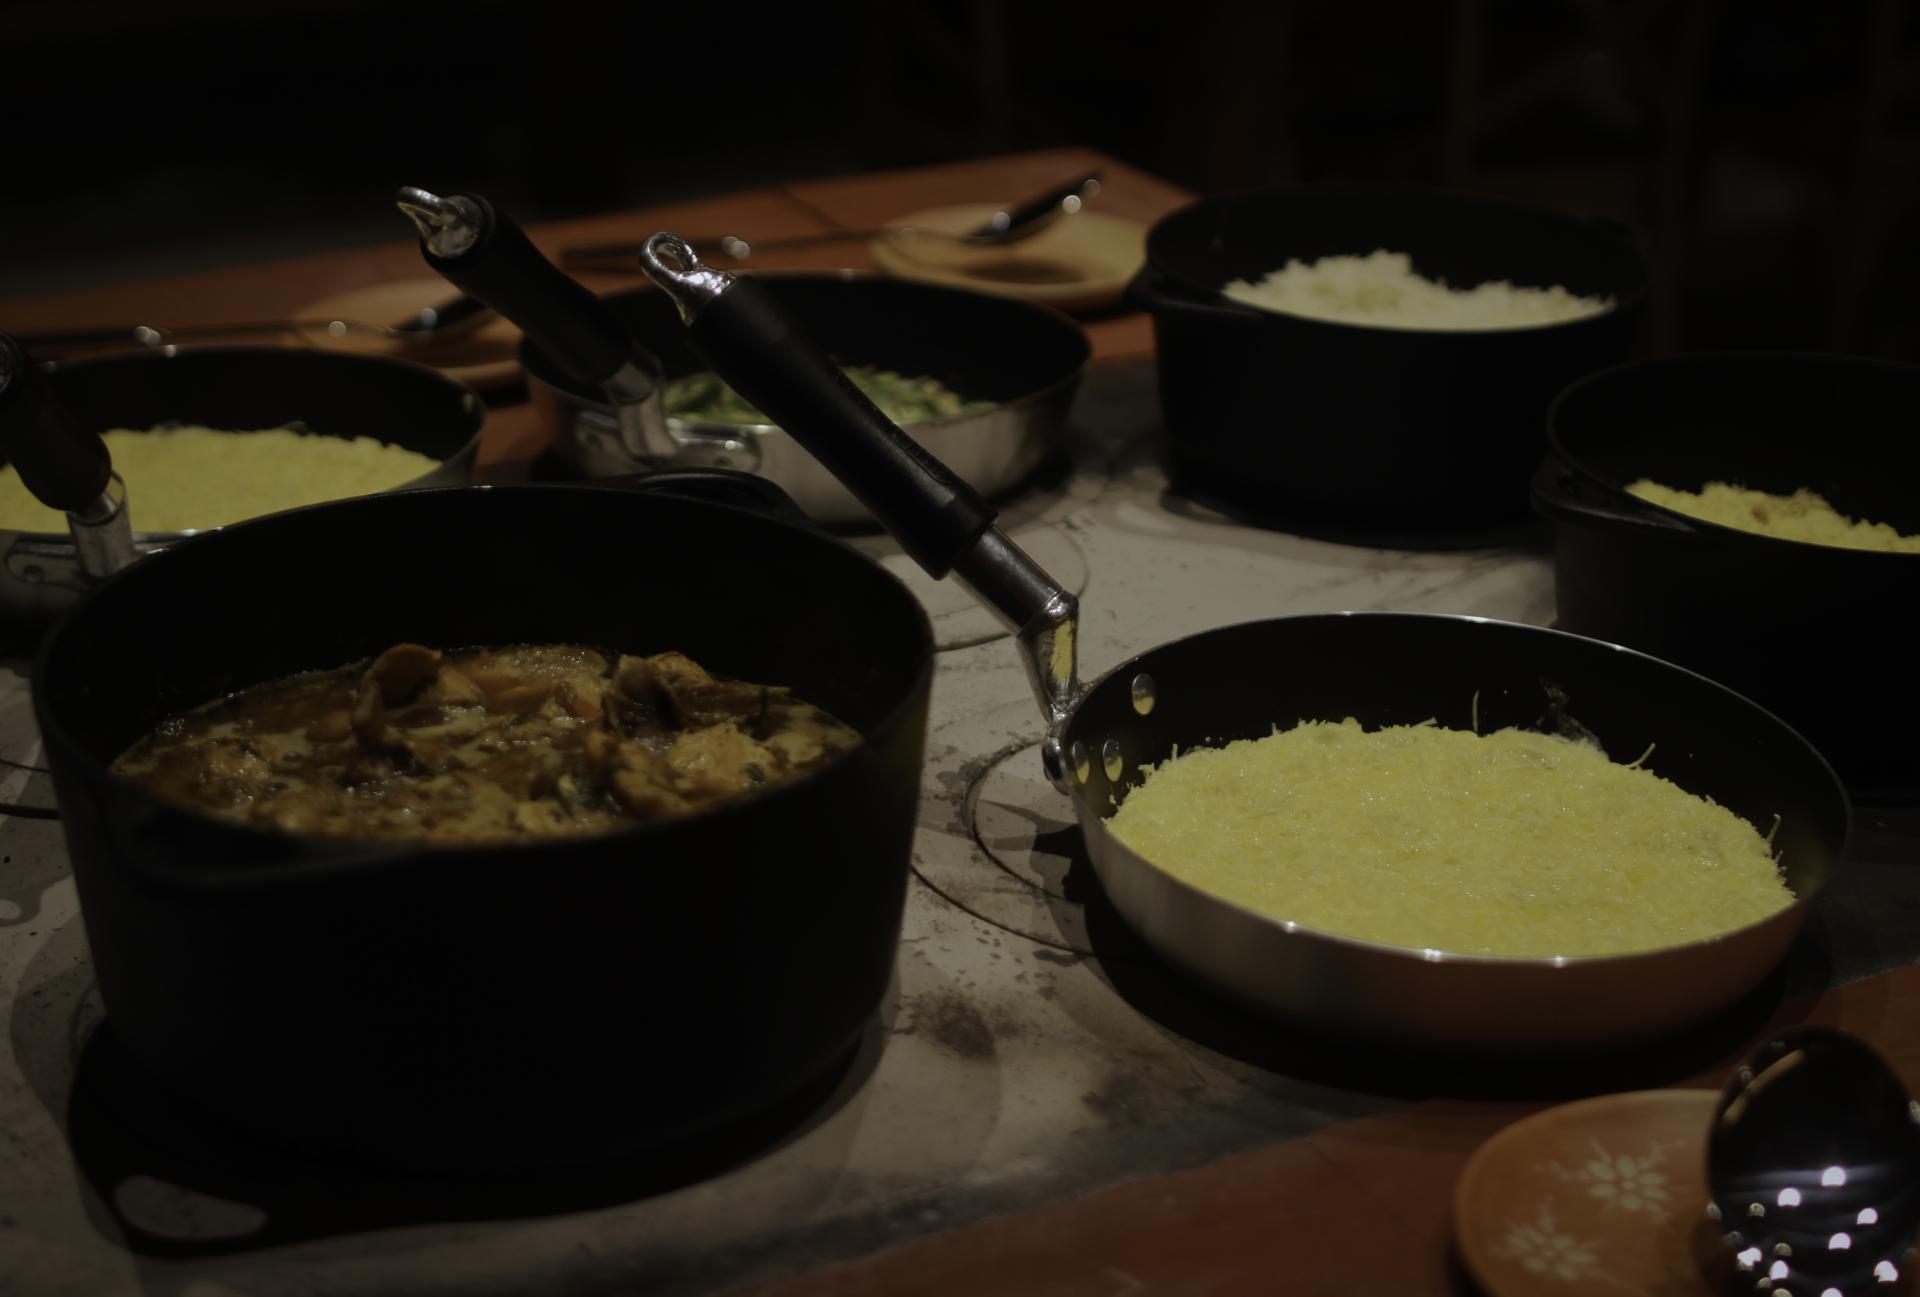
{"x": 461, "y": 461}
{"x": 1620, "y": 498}
{"x": 1210, "y": 298}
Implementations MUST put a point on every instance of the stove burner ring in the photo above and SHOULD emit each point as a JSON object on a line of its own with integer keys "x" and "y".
{"x": 11, "y": 787}
{"x": 1023, "y": 886}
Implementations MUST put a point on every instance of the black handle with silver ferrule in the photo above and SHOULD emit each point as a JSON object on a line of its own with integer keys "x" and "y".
{"x": 763, "y": 354}
{"x": 64, "y": 464}
{"x": 942, "y": 522}
{"x": 482, "y": 252}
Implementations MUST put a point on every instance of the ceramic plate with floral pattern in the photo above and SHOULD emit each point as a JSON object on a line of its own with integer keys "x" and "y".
{"x": 1593, "y": 1199}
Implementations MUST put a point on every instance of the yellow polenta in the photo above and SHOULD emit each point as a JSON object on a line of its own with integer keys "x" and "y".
{"x": 1513, "y": 843}
{"x": 183, "y": 479}
{"x": 1803, "y": 516}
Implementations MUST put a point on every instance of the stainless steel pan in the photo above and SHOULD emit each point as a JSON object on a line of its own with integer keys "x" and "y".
{"x": 1242, "y": 680}
{"x": 1025, "y": 359}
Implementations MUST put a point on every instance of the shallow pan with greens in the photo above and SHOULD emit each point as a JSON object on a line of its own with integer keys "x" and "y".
{"x": 1016, "y": 365}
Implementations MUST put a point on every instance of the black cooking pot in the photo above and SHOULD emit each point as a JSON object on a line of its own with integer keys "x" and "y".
{"x": 488, "y": 1005}
{"x": 1825, "y": 636}
{"x": 1318, "y": 425}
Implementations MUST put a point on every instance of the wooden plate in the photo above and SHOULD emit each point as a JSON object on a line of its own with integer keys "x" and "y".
{"x": 1082, "y": 262}
{"x": 482, "y": 358}
{"x": 1593, "y": 1199}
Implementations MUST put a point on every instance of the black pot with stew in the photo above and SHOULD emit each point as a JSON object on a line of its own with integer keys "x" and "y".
{"x": 493, "y": 1001}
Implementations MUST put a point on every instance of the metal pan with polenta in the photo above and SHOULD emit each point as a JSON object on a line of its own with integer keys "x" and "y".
{"x": 1514, "y": 843}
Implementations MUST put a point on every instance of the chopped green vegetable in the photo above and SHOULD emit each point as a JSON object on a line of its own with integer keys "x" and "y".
{"x": 704, "y": 398}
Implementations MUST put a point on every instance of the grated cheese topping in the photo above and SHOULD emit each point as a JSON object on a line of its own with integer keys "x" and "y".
{"x": 1512, "y": 844}
{"x": 186, "y": 479}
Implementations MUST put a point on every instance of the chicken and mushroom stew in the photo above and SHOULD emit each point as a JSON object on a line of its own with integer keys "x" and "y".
{"x": 488, "y": 745}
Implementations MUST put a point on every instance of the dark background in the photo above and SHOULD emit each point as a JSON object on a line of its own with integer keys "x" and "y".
{"x": 1766, "y": 152}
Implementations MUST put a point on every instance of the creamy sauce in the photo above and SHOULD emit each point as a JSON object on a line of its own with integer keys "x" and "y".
{"x": 533, "y": 741}
{"x": 1513, "y": 843}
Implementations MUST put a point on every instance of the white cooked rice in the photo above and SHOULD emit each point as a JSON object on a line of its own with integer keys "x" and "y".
{"x": 1382, "y": 289}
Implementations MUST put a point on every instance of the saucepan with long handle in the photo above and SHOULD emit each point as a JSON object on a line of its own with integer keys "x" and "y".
{"x": 1241, "y": 681}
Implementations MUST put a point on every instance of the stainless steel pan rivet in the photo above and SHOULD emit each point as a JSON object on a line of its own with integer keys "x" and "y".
{"x": 1082, "y": 767}
{"x": 1110, "y": 758}
{"x": 1143, "y": 693}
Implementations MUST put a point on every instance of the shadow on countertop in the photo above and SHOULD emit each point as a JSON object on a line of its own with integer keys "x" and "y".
{"x": 174, "y": 1183}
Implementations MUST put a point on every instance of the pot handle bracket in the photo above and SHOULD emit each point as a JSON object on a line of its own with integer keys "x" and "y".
{"x": 1560, "y": 495}
{"x": 941, "y": 522}
{"x": 481, "y": 251}
{"x": 65, "y": 466}
{"x": 1151, "y": 291}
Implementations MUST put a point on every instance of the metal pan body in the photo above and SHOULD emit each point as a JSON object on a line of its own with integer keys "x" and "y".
{"x": 1403, "y": 668}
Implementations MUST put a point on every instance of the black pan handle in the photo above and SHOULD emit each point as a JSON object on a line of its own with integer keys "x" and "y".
{"x": 753, "y": 344}
{"x": 482, "y": 252}
{"x": 64, "y": 465}
{"x": 1153, "y": 292}
{"x": 1560, "y": 495}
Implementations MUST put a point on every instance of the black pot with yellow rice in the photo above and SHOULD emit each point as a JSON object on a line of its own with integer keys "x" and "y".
{"x": 1823, "y": 633}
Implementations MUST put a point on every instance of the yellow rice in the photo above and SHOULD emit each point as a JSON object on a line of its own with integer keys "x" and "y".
{"x": 1803, "y": 516}
{"x": 185, "y": 479}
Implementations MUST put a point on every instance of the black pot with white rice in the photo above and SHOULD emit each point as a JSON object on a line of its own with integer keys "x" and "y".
{"x": 1373, "y": 361}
